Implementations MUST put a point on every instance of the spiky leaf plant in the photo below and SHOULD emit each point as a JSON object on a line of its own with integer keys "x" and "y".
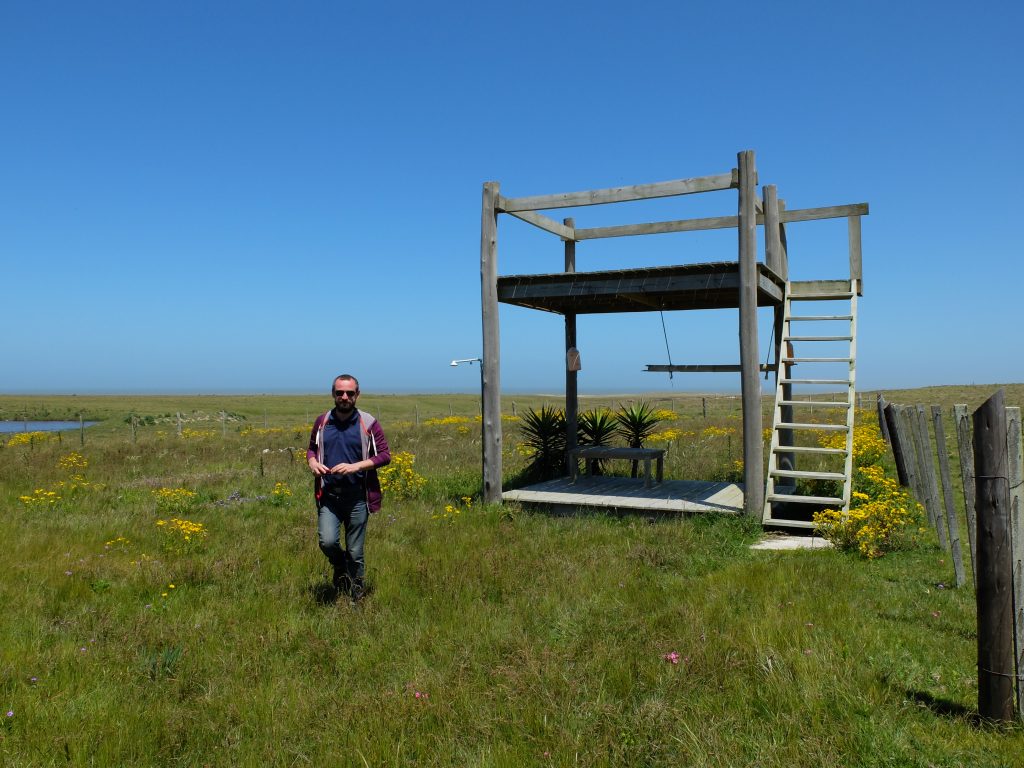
{"x": 636, "y": 422}
{"x": 544, "y": 434}
{"x": 597, "y": 427}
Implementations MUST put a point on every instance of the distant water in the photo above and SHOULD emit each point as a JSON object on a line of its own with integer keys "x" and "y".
{"x": 40, "y": 426}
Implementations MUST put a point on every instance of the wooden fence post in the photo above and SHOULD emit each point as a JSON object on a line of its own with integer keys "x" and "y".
{"x": 1015, "y": 472}
{"x": 883, "y": 425}
{"x": 907, "y": 433}
{"x": 947, "y": 495}
{"x": 899, "y": 447}
{"x": 928, "y": 477}
{"x": 995, "y": 565}
{"x": 966, "y": 445}
{"x": 81, "y": 429}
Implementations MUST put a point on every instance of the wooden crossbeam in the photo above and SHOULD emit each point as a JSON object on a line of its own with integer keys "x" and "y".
{"x": 719, "y": 222}
{"x": 701, "y": 368}
{"x": 543, "y": 222}
{"x": 619, "y": 194}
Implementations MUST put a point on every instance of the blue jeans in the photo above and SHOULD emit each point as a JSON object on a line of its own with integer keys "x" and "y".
{"x": 352, "y": 515}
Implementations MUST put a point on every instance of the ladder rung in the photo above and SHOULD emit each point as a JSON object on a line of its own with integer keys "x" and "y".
{"x": 806, "y": 499}
{"x": 781, "y": 522}
{"x": 847, "y": 382}
{"x": 817, "y": 338}
{"x": 808, "y": 475}
{"x": 821, "y": 317}
{"x": 817, "y": 359}
{"x": 820, "y": 296}
{"x": 814, "y": 402}
{"x": 826, "y": 427}
{"x": 808, "y": 449}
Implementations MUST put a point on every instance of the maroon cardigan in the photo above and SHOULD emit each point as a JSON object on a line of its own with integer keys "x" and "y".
{"x": 375, "y": 448}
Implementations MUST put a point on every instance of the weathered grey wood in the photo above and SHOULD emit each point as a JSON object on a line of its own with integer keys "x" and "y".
{"x": 965, "y": 444}
{"x": 883, "y": 425}
{"x": 750, "y": 382}
{"x": 665, "y": 288}
{"x": 724, "y": 368}
{"x": 490, "y": 367}
{"x": 853, "y": 235}
{"x": 571, "y": 375}
{"x": 1014, "y": 475}
{"x": 909, "y": 452}
{"x": 996, "y": 670}
{"x": 783, "y": 246}
{"x": 952, "y": 524}
{"x": 829, "y": 212}
{"x": 629, "y": 495}
{"x": 772, "y": 244}
{"x": 658, "y": 227}
{"x": 619, "y": 194}
{"x": 719, "y": 222}
{"x": 543, "y": 222}
{"x": 928, "y": 474}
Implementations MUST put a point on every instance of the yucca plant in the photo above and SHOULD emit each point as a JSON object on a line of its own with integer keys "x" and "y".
{"x": 596, "y": 427}
{"x": 636, "y": 422}
{"x": 544, "y": 434}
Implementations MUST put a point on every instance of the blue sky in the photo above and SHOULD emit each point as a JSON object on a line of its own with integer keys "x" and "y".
{"x": 254, "y": 196}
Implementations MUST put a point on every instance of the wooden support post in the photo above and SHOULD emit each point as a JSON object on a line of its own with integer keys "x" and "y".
{"x": 931, "y": 485}
{"x": 952, "y": 523}
{"x": 750, "y": 381}
{"x": 966, "y": 445}
{"x": 490, "y": 367}
{"x": 571, "y": 396}
{"x": 883, "y": 425}
{"x": 81, "y": 429}
{"x": 773, "y": 258}
{"x": 1014, "y": 475}
{"x": 856, "y": 272}
{"x": 995, "y": 566}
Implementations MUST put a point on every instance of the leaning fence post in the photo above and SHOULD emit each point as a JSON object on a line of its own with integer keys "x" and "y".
{"x": 928, "y": 477}
{"x": 947, "y": 495}
{"x": 908, "y": 431}
{"x": 1015, "y": 471}
{"x": 995, "y": 566}
{"x": 899, "y": 447}
{"x": 882, "y": 424}
{"x": 966, "y": 446}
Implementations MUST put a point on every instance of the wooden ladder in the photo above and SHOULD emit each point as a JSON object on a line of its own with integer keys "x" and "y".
{"x": 798, "y": 400}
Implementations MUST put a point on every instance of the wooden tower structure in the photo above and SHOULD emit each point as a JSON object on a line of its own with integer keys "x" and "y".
{"x": 744, "y": 284}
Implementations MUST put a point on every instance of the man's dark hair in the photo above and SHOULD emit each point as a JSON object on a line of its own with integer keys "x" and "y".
{"x": 345, "y": 377}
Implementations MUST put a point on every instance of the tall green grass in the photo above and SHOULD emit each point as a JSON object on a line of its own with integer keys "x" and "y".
{"x": 531, "y": 639}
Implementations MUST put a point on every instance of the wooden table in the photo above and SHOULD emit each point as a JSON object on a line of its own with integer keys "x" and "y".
{"x": 607, "y": 452}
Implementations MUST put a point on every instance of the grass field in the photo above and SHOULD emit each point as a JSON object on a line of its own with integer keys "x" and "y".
{"x": 493, "y": 636}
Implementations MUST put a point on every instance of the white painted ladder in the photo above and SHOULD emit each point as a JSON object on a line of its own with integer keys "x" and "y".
{"x": 801, "y": 399}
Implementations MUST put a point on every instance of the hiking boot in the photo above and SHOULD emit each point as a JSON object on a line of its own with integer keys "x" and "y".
{"x": 341, "y": 582}
{"x": 358, "y": 590}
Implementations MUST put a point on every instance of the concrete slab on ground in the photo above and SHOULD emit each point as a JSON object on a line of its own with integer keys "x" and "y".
{"x": 780, "y": 542}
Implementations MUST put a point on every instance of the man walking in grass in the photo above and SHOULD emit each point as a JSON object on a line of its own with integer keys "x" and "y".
{"x": 346, "y": 447}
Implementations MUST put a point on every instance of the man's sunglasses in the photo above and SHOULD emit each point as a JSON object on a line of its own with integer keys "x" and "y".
{"x": 350, "y": 392}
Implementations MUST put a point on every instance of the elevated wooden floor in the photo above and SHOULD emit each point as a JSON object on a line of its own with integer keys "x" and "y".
{"x": 628, "y": 494}
{"x": 714, "y": 285}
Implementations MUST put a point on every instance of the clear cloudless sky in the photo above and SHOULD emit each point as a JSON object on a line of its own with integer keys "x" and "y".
{"x": 254, "y": 196}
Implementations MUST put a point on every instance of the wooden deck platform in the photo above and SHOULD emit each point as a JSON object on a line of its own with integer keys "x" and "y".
{"x": 627, "y": 494}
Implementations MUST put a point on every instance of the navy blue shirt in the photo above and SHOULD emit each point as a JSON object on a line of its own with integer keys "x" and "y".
{"x": 343, "y": 443}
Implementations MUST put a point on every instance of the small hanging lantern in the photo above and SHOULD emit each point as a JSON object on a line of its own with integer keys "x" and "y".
{"x": 572, "y": 359}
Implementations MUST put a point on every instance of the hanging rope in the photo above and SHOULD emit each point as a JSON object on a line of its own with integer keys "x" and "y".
{"x": 664, "y": 333}
{"x": 771, "y": 347}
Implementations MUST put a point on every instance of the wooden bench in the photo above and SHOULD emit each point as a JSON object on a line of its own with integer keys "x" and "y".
{"x": 607, "y": 452}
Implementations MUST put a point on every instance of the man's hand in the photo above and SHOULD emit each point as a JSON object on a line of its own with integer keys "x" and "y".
{"x": 346, "y": 469}
{"x": 317, "y": 468}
